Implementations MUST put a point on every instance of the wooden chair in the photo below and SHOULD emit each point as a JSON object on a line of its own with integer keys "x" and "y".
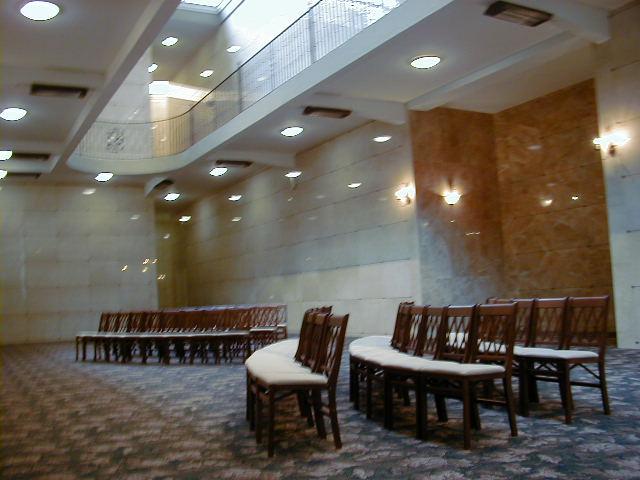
{"x": 276, "y": 381}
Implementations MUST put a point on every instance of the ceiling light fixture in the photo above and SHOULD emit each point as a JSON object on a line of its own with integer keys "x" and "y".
{"x": 152, "y": 68}
{"x": 5, "y": 154}
{"x": 40, "y": 11}
{"x": 104, "y": 176}
{"x": 89, "y": 191}
{"x": 452, "y": 197}
{"x": 183, "y": 219}
{"x": 218, "y": 171}
{"x": 354, "y": 185}
{"x": 170, "y": 197}
{"x": 293, "y": 174}
{"x": 169, "y": 41}
{"x": 236, "y": 219}
{"x": 292, "y": 131}
{"x": 134, "y": 217}
{"x": 13, "y": 114}
{"x": 234, "y": 48}
{"x": 206, "y": 73}
{"x": 235, "y": 198}
{"x": 425, "y": 61}
{"x": 382, "y": 138}
{"x": 3, "y": 173}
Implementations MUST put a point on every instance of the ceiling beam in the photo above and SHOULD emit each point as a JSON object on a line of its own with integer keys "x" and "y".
{"x": 381, "y": 110}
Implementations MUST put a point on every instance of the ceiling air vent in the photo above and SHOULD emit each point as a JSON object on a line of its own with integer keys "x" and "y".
{"x": 510, "y": 12}
{"x": 326, "y": 112}
{"x": 42, "y": 90}
{"x": 234, "y": 163}
{"x": 23, "y": 175}
{"x": 161, "y": 185}
{"x": 30, "y": 156}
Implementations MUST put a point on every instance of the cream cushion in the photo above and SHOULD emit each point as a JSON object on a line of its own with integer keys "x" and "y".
{"x": 555, "y": 354}
{"x": 285, "y": 348}
{"x": 277, "y": 369}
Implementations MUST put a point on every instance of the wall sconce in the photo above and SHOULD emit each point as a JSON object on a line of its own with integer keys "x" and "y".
{"x": 452, "y": 197}
{"x": 610, "y": 141}
{"x": 405, "y": 194}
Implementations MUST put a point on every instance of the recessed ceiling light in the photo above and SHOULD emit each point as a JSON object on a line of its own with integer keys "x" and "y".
{"x": 3, "y": 173}
{"x": 206, "y": 73}
{"x": 89, "y": 191}
{"x": 292, "y": 131}
{"x": 425, "y": 61}
{"x": 235, "y": 198}
{"x": 152, "y": 68}
{"x": 183, "y": 219}
{"x": 104, "y": 176}
{"x": 169, "y": 41}
{"x": 170, "y": 197}
{"x": 236, "y": 219}
{"x": 12, "y": 114}
{"x": 354, "y": 185}
{"x": 234, "y": 48}
{"x": 134, "y": 217}
{"x": 382, "y": 138}
{"x": 218, "y": 171}
{"x": 40, "y": 11}
{"x": 5, "y": 154}
{"x": 293, "y": 174}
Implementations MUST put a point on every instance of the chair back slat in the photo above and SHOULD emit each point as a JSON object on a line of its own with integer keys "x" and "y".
{"x": 306, "y": 332}
{"x": 587, "y": 322}
{"x": 331, "y": 346}
{"x": 548, "y": 321}
{"x": 400, "y": 327}
{"x": 454, "y": 334}
{"x": 493, "y": 334}
{"x": 413, "y": 341}
{"x": 431, "y": 327}
{"x": 524, "y": 320}
{"x": 313, "y": 354}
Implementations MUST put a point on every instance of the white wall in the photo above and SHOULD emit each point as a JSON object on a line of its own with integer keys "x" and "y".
{"x": 61, "y": 256}
{"x": 320, "y": 243}
{"x": 618, "y": 90}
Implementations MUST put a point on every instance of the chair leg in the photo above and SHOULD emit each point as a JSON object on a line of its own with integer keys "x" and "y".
{"x": 77, "y": 346}
{"x": 303, "y": 405}
{"x": 523, "y": 388}
{"x": 271, "y": 424}
{"x": 466, "y": 414}
{"x": 84, "y": 350}
{"x": 405, "y": 396}
{"x": 533, "y": 384}
{"x": 564, "y": 381}
{"x": 475, "y": 412}
{"x": 421, "y": 409}
{"x": 248, "y": 405}
{"x": 511, "y": 408}
{"x": 603, "y": 387}
{"x": 333, "y": 416}
{"x": 388, "y": 401}
{"x": 441, "y": 408}
{"x": 258, "y": 416}
{"x": 351, "y": 381}
{"x": 317, "y": 411}
{"x": 369, "y": 393}
{"x": 356, "y": 390}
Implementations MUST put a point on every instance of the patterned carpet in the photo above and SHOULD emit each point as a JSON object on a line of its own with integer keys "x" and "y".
{"x": 64, "y": 420}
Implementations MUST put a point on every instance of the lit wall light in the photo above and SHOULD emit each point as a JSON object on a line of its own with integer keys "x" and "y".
{"x": 155, "y": 260}
{"x": 610, "y": 141}
{"x": 167, "y": 236}
{"x": 145, "y": 269}
{"x": 546, "y": 202}
{"x": 206, "y": 73}
{"x": 293, "y": 174}
{"x": 405, "y": 194}
{"x": 104, "y": 176}
{"x": 170, "y": 197}
{"x": 124, "y": 269}
{"x": 89, "y": 191}
{"x": 236, "y": 219}
{"x": 234, "y": 48}
{"x": 134, "y": 217}
{"x": 382, "y": 138}
{"x": 235, "y": 198}
{"x": 218, "y": 171}
{"x": 354, "y": 185}
{"x": 452, "y": 197}
{"x": 162, "y": 276}
{"x": 575, "y": 197}
{"x": 183, "y": 219}
{"x": 3, "y": 173}
{"x": 152, "y": 68}
{"x": 169, "y": 41}
{"x": 146, "y": 261}
{"x": 5, "y": 154}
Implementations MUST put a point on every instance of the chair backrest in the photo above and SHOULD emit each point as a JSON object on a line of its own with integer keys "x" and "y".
{"x": 312, "y": 356}
{"x": 105, "y": 318}
{"x": 586, "y": 322}
{"x": 455, "y": 332}
{"x": 548, "y": 321}
{"x": 307, "y": 332}
{"x": 431, "y": 327}
{"x": 412, "y": 342}
{"x": 331, "y": 346}
{"x": 493, "y": 334}
{"x": 524, "y": 320}
{"x": 400, "y": 327}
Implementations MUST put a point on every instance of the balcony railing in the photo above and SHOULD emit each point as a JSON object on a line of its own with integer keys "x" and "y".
{"x": 324, "y": 27}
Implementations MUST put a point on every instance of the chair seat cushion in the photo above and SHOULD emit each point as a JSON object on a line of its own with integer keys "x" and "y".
{"x": 276, "y": 369}
{"x": 534, "y": 352}
{"x": 372, "y": 341}
{"x": 292, "y": 379}
{"x": 285, "y": 348}
{"x": 425, "y": 366}
{"x": 370, "y": 348}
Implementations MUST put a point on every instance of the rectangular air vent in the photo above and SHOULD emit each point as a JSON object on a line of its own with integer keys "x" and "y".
{"x": 23, "y": 175}
{"x": 326, "y": 112}
{"x": 510, "y": 12}
{"x": 30, "y": 156}
{"x": 234, "y": 163}
{"x": 42, "y": 90}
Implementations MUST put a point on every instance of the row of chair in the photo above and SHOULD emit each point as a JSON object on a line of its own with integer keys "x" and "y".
{"x": 303, "y": 368}
{"x": 459, "y": 352}
{"x": 224, "y": 331}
